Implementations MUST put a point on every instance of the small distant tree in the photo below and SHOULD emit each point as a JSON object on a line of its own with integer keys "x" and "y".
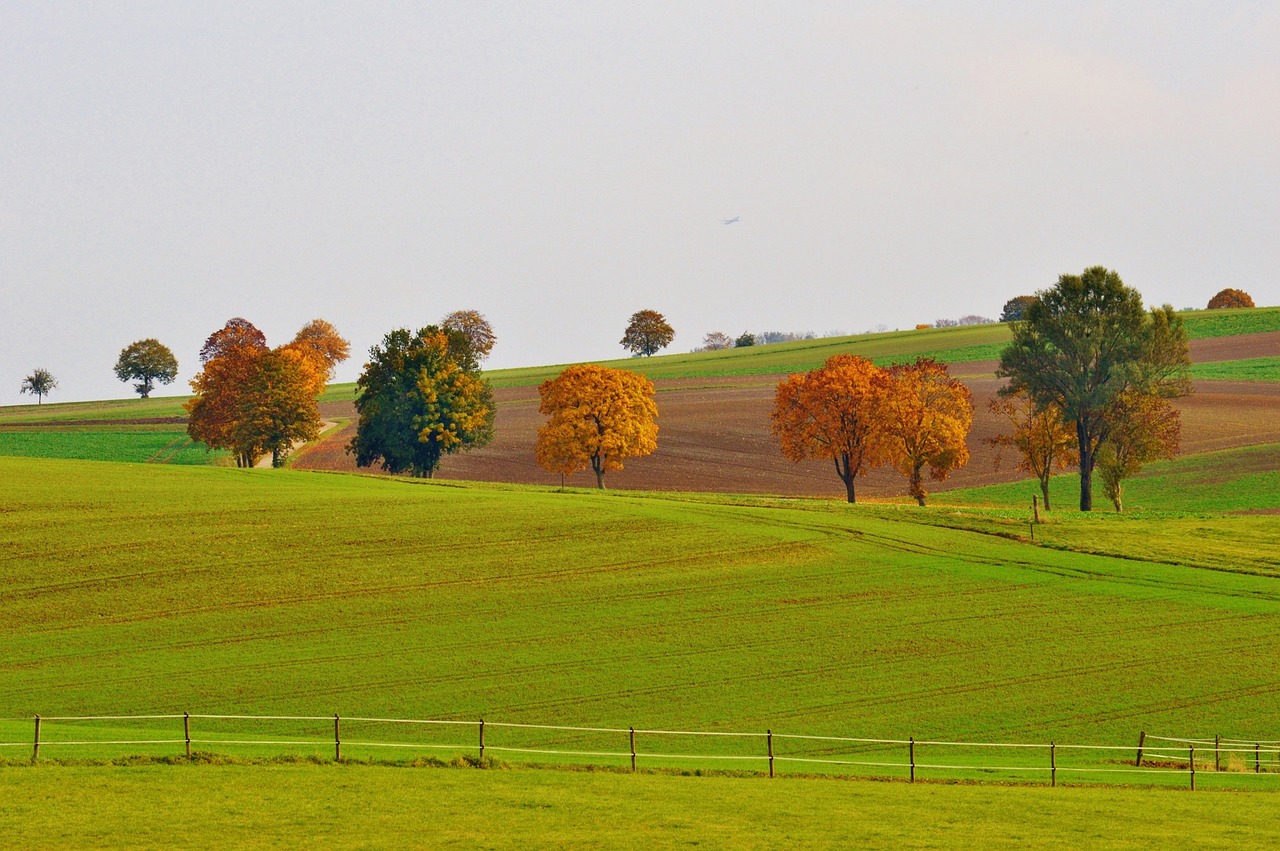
{"x": 745, "y": 339}
{"x": 39, "y": 384}
{"x": 1043, "y": 439}
{"x": 146, "y": 362}
{"x": 926, "y": 416}
{"x": 647, "y": 332}
{"x": 832, "y": 412}
{"x": 472, "y": 325}
{"x": 596, "y": 417}
{"x": 717, "y": 340}
{"x": 945, "y": 323}
{"x": 973, "y": 319}
{"x": 420, "y": 397}
{"x": 1230, "y": 298}
{"x": 1144, "y": 428}
{"x": 1015, "y": 309}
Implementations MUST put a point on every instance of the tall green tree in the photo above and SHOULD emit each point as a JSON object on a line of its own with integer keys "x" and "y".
{"x": 39, "y": 383}
{"x": 146, "y": 362}
{"x": 1085, "y": 342}
{"x": 421, "y": 397}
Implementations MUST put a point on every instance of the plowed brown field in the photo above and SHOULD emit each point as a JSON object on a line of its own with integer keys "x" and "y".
{"x": 714, "y": 434}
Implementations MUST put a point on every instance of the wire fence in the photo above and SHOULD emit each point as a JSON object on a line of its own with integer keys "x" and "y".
{"x": 1156, "y": 759}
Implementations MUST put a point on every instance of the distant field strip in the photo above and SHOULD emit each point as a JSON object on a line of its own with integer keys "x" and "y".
{"x": 1250, "y": 369}
{"x": 156, "y": 445}
{"x": 637, "y": 748}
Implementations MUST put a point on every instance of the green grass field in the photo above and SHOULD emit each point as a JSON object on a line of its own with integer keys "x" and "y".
{"x": 138, "y": 444}
{"x": 1249, "y": 369}
{"x": 148, "y": 589}
{"x": 362, "y": 806}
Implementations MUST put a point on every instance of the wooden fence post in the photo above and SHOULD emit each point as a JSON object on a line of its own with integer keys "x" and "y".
{"x": 1035, "y": 508}
{"x": 1191, "y": 761}
{"x": 1053, "y": 764}
{"x": 1217, "y": 756}
{"x": 769, "y": 738}
{"x": 911, "y": 751}
{"x": 481, "y": 738}
{"x": 337, "y": 738}
{"x": 1142, "y": 737}
{"x": 1257, "y": 758}
{"x": 633, "y": 749}
{"x": 186, "y": 731}
{"x": 35, "y": 750}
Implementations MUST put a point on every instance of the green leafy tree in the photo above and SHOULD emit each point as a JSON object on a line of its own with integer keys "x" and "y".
{"x": 146, "y": 362}
{"x": 1015, "y": 309}
{"x": 421, "y": 397}
{"x": 647, "y": 332}
{"x": 39, "y": 384}
{"x": 1085, "y": 342}
{"x": 744, "y": 340}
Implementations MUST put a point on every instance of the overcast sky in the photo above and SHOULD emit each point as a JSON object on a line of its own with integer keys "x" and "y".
{"x": 166, "y": 166}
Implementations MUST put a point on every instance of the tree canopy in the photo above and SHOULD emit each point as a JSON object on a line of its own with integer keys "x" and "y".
{"x": 421, "y": 397}
{"x": 1143, "y": 427}
{"x": 1230, "y": 298}
{"x": 597, "y": 417}
{"x": 1044, "y": 441}
{"x": 146, "y": 362}
{"x": 253, "y": 400}
{"x": 1085, "y": 342}
{"x": 1015, "y": 309}
{"x": 833, "y": 412}
{"x": 925, "y": 416}
{"x": 647, "y": 332}
{"x": 39, "y": 383}
{"x": 472, "y": 325}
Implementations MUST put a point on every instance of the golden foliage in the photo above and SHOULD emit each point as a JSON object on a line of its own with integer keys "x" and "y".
{"x": 1045, "y": 442}
{"x": 1143, "y": 427}
{"x": 597, "y": 416}
{"x": 833, "y": 412}
{"x": 926, "y": 417}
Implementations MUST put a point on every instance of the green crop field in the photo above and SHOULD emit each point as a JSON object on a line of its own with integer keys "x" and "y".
{"x": 139, "y": 444}
{"x": 1249, "y": 369}
{"x": 146, "y": 589}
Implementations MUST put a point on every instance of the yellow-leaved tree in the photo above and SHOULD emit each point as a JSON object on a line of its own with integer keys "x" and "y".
{"x": 1044, "y": 440}
{"x": 926, "y": 416}
{"x": 832, "y": 412}
{"x": 597, "y": 416}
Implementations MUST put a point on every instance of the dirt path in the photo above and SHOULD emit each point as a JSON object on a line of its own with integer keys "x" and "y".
{"x": 264, "y": 462}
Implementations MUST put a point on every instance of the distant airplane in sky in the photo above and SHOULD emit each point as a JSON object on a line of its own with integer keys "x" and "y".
{"x": 731, "y": 221}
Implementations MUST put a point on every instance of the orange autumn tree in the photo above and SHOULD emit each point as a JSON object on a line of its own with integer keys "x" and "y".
{"x": 926, "y": 415}
{"x": 253, "y": 400}
{"x": 597, "y": 416}
{"x": 832, "y": 412}
{"x": 1044, "y": 440}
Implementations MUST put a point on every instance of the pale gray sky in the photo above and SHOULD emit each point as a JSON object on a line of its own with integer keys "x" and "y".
{"x": 165, "y": 166}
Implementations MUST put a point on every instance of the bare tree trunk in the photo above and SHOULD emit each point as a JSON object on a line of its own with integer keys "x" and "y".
{"x": 1044, "y": 489}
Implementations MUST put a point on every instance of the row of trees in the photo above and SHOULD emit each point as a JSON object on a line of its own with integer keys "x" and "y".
{"x": 914, "y": 416}
{"x": 1087, "y": 357}
{"x": 254, "y": 400}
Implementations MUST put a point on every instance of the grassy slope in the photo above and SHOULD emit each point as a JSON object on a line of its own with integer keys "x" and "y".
{"x": 142, "y": 589}
{"x": 1249, "y": 369}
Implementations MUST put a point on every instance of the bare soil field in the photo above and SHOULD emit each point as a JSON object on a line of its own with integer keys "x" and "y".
{"x": 714, "y": 436}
